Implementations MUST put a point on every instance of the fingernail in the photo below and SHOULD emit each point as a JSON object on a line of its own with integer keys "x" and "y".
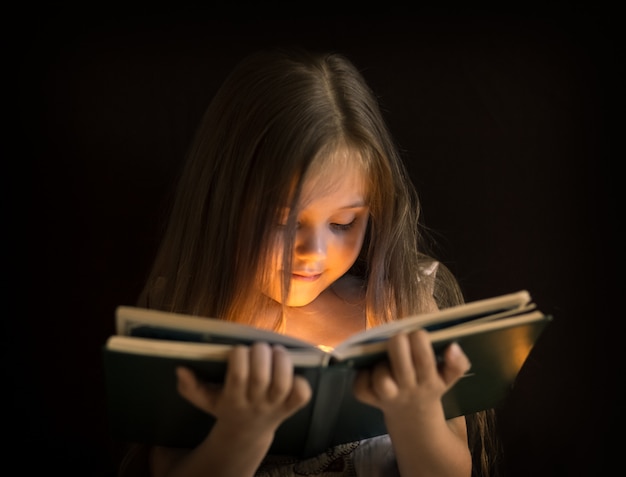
{"x": 456, "y": 351}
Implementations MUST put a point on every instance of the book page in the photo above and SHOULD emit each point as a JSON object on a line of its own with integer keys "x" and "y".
{"x": 483, "y": 310}
{"x": 133, "y": 321}
{"x": 301, "y": 357}
{"x": 365, "y": 352}
{"x": 186, "y": 330}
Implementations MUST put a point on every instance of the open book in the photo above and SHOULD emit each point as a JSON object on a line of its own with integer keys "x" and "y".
{"x": 496, "y": 334}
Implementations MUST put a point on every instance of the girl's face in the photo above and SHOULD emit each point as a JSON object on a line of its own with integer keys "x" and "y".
{"x": 331, "y": 223}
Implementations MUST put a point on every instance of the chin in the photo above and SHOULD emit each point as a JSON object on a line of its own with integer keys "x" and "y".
{"x": 298, "y": 297}
{"x": 302, "y": 300}
{"x": 297, "y": 303}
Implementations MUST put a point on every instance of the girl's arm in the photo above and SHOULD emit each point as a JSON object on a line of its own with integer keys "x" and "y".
{"x": 260, "y": 391}
{"x": 408, "y": 390}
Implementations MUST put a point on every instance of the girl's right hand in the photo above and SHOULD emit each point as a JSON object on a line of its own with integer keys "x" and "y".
{"x": 260, "y": 389}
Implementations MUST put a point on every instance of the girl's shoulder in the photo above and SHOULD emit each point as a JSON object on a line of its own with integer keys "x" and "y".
{"x": 428, "y": 268}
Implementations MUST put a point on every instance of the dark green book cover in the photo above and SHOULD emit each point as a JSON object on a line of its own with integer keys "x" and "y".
{"x": 144, "y": 405}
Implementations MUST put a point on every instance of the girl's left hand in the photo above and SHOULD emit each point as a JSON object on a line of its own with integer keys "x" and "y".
{"x": 411, "y": 377}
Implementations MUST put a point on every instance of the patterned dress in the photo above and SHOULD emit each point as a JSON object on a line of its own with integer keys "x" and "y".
{"x": 367, "y": 458}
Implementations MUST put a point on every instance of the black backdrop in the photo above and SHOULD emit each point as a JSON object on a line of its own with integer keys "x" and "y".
{"x": 504, "y": 118}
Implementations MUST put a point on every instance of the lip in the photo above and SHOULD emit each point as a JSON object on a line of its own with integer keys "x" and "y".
{"x": 306, "y": 277}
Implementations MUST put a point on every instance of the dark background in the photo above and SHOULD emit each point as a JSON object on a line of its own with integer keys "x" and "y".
{"x": 504, "y": 117}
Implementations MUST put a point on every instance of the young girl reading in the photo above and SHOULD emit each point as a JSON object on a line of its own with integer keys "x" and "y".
{"x": 295, "y": 213}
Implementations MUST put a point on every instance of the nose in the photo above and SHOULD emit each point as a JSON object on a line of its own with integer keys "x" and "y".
{"x": 311, "y": 243}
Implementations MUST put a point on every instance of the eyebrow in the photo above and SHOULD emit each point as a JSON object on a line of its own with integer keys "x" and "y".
{"x": 357, "y": 205}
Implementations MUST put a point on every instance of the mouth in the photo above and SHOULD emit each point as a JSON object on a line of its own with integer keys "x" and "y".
{"x": 305, "y": 277}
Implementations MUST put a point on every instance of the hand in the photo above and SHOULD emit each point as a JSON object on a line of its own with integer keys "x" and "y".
{"x": 260, "y": 389}
{"x": 411, "y": 378}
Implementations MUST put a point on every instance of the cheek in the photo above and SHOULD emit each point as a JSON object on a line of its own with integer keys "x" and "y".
{"x": 360, "y": 236}
{"x": 350, "y": 246}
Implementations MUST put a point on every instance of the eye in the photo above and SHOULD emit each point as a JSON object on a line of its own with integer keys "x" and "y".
{"x": 343, "y": 227}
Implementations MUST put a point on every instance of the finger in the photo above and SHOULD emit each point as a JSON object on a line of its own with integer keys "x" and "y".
{"x": 455, "y": 364}
{"x": 384, "y": 386}
{"x": 362, "y": 387}
{"x": 300, "y": 394}
{"x": 190, "y": 388}
{"x": 282, "y": 374}
{"x": 399, "y": 352}
{"x": 237, "y": 372}
{"x": 293, "y": 391}
{"x": 260, "y": 366}
{"x": 422, "y": 356}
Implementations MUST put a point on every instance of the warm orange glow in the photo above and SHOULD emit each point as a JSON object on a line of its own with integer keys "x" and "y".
{"x": 521, "y": 346}
{"x": 325, "y": 348}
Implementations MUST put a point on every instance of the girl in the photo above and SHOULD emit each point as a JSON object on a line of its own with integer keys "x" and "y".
{"x": 295, "y": 213}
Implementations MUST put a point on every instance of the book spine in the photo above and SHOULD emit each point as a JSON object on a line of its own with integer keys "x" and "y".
{"x": 334, "y": 383}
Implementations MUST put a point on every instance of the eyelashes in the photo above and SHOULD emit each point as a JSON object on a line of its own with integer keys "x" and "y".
{"x": 337, "y": 227}
{"x": 343, "y": 227}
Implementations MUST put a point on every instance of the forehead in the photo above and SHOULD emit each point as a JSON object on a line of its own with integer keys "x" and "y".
{"x": 341, "y": 172}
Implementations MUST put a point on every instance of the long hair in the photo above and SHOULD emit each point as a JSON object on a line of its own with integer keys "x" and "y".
{"x": 276, "y": 116}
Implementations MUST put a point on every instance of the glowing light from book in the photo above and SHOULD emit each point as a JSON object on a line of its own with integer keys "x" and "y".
{"x": 325, "y": 348}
